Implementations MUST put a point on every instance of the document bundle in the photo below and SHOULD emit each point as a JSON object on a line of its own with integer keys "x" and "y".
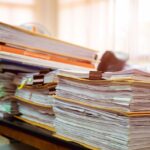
{"x": 34, "y": 98}
{"x": 108, "y": 114}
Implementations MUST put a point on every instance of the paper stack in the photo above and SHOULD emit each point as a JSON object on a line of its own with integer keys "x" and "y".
{"x": 6, "y": 86}
{"x": 32, "y": 48}
{"x": 108, "y": 114}
{"x": 7, "y": 89}
{"x": 35, "y": 99}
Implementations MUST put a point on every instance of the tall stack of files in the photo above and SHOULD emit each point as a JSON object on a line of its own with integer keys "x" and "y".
{"x": 34, "y": 98}
{"x": 36, "y": 49}
{"x": 7, "y": 89}
{"x": 107, "y": 114}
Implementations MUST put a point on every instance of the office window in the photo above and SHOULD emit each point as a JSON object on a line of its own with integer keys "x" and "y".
{"x": 144, "y": 30}
{"x": 120, "y": 25}
{"x": 77, "y": 21}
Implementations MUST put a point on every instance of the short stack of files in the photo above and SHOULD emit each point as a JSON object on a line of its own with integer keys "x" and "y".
{"x": 107, "y": 114}
{"x": 7, "y": 89}
{"x": 34, "y": 98}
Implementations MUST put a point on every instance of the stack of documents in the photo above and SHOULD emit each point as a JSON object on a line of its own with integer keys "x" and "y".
{"x": 35, "y": 105}
{"x": 102, "y": 128}
{"x": 127, "y": 95}
{"x": 42, "y": 115}
{"x": 39, "y": 96}
{"x": 34, "y": 96}
{"x": 7, "y": 89}
{"x": 32, "y": 48}
{"x": 108, "y": 114}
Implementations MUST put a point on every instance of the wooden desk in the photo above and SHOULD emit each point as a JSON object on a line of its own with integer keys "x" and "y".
{"x": 34, "y": 136}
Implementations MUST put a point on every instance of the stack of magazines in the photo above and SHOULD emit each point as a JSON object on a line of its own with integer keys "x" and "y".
{"x": 35, "y": 98}
{"x": 111, "y": 114}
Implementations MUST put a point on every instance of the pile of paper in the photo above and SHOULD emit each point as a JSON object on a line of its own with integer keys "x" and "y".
{"x": 124, "y": 95}
{"x": 7, "y": 89}
{"x": 36, "y": 114}
{"x": 100, "y": 128}
{"x": 35, "y": 49}
{"x": 40, "y": 96}
{"x": 108, "y": 114}
{"x": 34, "y": 96}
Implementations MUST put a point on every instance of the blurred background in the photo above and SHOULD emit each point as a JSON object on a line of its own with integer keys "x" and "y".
{"x": 119, "y": 25}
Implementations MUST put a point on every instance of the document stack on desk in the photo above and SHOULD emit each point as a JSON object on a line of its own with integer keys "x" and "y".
{"x": 7, "y": 89}
{"x": 108, "y": 114}
{"x": 35, "y": 98}
{"x": 9, "y": 70}
{"x": 40, "y": 50}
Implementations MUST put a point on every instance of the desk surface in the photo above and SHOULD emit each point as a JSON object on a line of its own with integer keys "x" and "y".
{"x": 35, "y": 136}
